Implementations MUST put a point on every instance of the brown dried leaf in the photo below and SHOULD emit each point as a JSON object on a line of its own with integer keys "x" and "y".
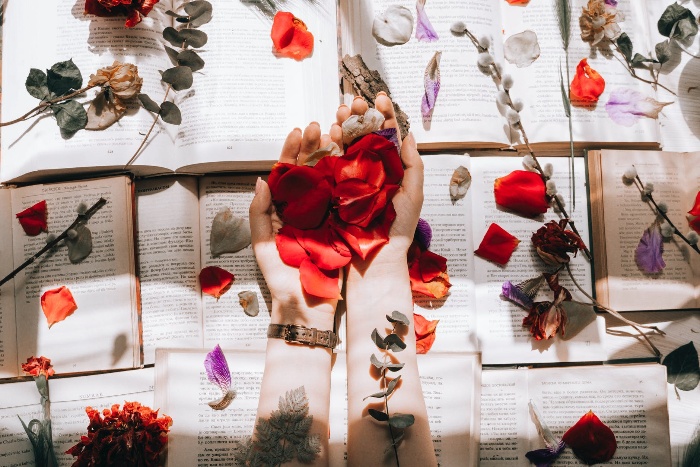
{"x": 80, "y": 245}
{"x": 229, "y": 234}
{"x": 249, "y": 302}
{"x": 460, "y": 182}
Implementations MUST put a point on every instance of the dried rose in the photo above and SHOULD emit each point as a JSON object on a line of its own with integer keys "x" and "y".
{"x": 591, "y": 440}
{"x": 598, "y": 21}
{"x": 587, "y": 84}
{"x": 38, "y": 366}
{"x": 121, "y": 81}
{"x": 553, "y": 243}
{"x": 134, "y": 10}
{"x": 546, "y": 318}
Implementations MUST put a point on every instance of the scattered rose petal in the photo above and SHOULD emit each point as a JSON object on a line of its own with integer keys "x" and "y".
{"x": 301, "y": 194}
{"x": 522, "y": 49}
{"x": 394, "y": 26}
{"x": 460, "y": 182}
{"x": 33, "y": 219}
{"x": 249, "y": 302}
{"x": 497, "y": 245}
{"x": 57, "y": 304}
{"x": 431, "y": 82}
{"x": 425, "y": 333}
{"x": 694, "y": 218}
{"x": 218, "y": 373}
{"x": 38, "y": 366}
{"x": 360, "y": 125}
{"x": 625, "y": 106}
{"x": 695, "y": 210}
{"x": 133, "y": 10}
{"x": 587, "y": 84}
{"x": 518, "y": 2}
{"x": 427, "y": 272}
{"x": 229, "y": 233}
{"x": 331, "y": 149}
{"x": 424, "y": 30}
{"x": 319, "y": 282}
{"x": 591, "y": 440}
{"x": 516, "y": 295}
{"x": 290, "y": 36}
{"x": 215, "y": 281}
{"x": 423, "y": 234}
{"x": 80, "y": 245}
{"x": 522, "y": 192}
{"x": 649, "y": 252}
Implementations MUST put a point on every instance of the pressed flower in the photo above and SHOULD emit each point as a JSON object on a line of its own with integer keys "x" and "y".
{"x": 38, "y": 366}
{"x": 544, "y": 457}
{"x": 431, "y": 83}
{"x": 290, "y": 36}
{"x": 424, "y": 30}
{"x": 33, "y": 219}
{"x": 57, "y": 304}
{"x": 625, "y": 106}
{"x": 649, "y": 252}
{"x": 460, "y": 182}
{"x": 522, "y": 192}
{"x": 546, "y": 318}
{"x": 587, "y": 84}
{"x": 425, "y": 333}
{"x": 134, "y": 10}
{"x": 215, "y": 281}
{"x": 591, "y": 440}
{"x": 428, "y": 272}
{"x": 599, "y": 20}
{"x": 497, "y": 245}
{"x": 218, "y": 373}
{"x": 521, "y": 49}
{"x": 553, "y": 242}
{"x": 301, "y": 194}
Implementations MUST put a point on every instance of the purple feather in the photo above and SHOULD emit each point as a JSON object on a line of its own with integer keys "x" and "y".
{"x": 217, "y": 369}
{"x": 516, "y": 295}
{"x": 648, "y": 254}
{"x": 423, "y": 234}
{"x": 391, "y": 134}
{"x": 424, "y": 30}
{"x": 431, "y": 82}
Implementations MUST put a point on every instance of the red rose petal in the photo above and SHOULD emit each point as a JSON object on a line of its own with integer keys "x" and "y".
{"x": 497, "y": 245}
{"x": 319, "y": 282}
{"x": 364, "y": 242}
{"x": 301, "y": 194}
{"x": 431, "y": 265}
{"x": 695, "y": 211}
{"x": 522, "y": 192}
{"x": 695, "y": 224}
{"x": 373, "y": 159}
{"x": 291, "y": 252}
{"x": 33, "y": 219}
{"x": 290, "y": 37}
{"x": 587, "y": 84}
{"x": 427, "y": 272}
{"x": 57, "y": 304}
{"x": 591, "y": 440}
{"x": 215, "y": 281}
{"x": 324, "y": 247}
{"x": 425, "y": 333}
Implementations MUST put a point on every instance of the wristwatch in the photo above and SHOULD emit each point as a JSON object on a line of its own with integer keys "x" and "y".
{"x": 298, "y": 334}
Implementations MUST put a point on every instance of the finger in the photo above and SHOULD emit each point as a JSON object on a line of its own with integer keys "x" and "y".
{"x": 336, "y": 135}
{"x": 386, "y": 107}
{"x": 290, "y": 149}
{"x": 342, "y": 114}
{"x": 325, "y": 141}
{"x": 412, "y": 182}
{"x": 310, "y": 141}
{"x": 359, "y": 106}
{"x": 260, "y": 215}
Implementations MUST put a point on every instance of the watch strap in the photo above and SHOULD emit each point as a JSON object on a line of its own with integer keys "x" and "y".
{"x": 298, "y": 334}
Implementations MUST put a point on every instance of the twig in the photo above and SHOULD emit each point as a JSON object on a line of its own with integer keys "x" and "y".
{"x": 145, "y": 138}
{"x": 635, "y": 75}
{"x": 45, "y": 104}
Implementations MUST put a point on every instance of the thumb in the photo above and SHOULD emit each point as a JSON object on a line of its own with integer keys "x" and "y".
{"x": 413, "y": 174}
{"x": 260, "y": 214}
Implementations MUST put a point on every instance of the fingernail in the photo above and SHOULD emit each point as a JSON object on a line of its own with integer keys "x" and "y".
{"x": 382, "y": 93}
{"x": 358, "y": 97}
{"x": 258, "y": 185}
{"x": 342, "y": 106}
{"x": 315, "y": 123}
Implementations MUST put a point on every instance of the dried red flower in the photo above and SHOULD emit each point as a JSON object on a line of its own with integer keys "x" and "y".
{"x": 591, "y": 440}
{"x": 587, "y": 84}
{"x": 135, "y": 435}
{"x": 215, "y": 281}
{"x": 554, "y": 243}
{"x": 546, "y": 318}
{"x": 134, "y": 10}
{"x": 57, "y": 304}
{"x": 33, "y": 219}
{"x": 38, "y": 366}
{"x": 290, "y": 36}
{"x": 497, "y": 245}
{"x": 425, "y": 333}
{"x": 522, "y": 192}
{"x": 427, "y": 271}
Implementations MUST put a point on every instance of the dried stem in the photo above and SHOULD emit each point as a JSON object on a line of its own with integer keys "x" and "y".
{"x": 386, "y": 404}
{"x": 46, "y": 104}
{"x": 81, "y": 219}
{"x": 634, "y": 74}
{"x": 145, "y": 138}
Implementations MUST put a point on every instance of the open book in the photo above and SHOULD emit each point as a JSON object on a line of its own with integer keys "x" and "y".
{"x": 103, "y": 332}
{"x": 619, "y": 217}
{"x": 236, "y": 116}
{"x": 200, "y": 434}
{"x": 466, "y": 113}
{"x": 630, "y": 399}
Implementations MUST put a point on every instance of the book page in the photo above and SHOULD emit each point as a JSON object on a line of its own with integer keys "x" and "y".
{"x": 225, "y": 322}
{"x": 246, "y": 100}
{"x": 8, "y": 331}
{"x": 201, "y": 436}
{"x": 168, "y": 248}
{"x": 630, "y": 399}
{"x": 338, "y": 415}
{"x": 451, "y": 227}
{"x": 92, "y": 43}
{"x": 499, "y": 322}
{"x": 538, "y": 85}
{"x": 103, "y": 285}
{"x": 626, "y": 218}
{"x": 70, "y": 397}
{"x": 465, "y": 111}
{"x": 23, "y": 400}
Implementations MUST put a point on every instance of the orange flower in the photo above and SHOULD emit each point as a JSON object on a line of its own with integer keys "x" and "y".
{"x": 38, "y": 366}
{"x": 215, "y": 281}
{"x": 290, "y": 37}
{"x": 57, "y": 304}
{"x": 587, "y": 85}
{"x": 425, "y": 333}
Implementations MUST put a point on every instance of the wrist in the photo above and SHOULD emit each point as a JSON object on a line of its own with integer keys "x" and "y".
{"x": 319, "y": 314}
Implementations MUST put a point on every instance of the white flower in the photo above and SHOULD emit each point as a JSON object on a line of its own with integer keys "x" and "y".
{"x": 507, "y": 82}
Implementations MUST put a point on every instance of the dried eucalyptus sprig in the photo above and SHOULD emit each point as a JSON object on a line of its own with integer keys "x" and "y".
{"x": 186, "y": 61}
{"x": 81, "y": 220}
{"x": 397, "y": 422}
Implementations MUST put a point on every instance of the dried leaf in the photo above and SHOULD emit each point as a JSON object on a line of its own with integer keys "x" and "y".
{"x": 377, "y": 415}
{"x": 33, "y": 219}
{"x": 229, "y": 234}
{"x": 394, "y": 26}
{"x": 398, "y": 317}
{"x": 460, "y": 182}
{"x": 249, "y": 302}
{"x": 425, "y": 333}
{"x": 401, "y": 421}
{"x": 424, "y": 30}
{"x": 682, "y": 367}
{"x": 497, "y": 245}
{"x": 102, "y": 113}
{"x": 678, "y": 22}
{"x": 218, "y": 373}
{"x": 80, "y": 244}
{"x": 591, "y": 440}
{"x": 360, "y": 125}
{"x": 649, "y": 252}
{"x": 57, "y": 304}
{"x": 522, "y": 49}
{"x": 431, "y": 83}
{"x": 625, "y": 106}
{"x": 215, "y": 281}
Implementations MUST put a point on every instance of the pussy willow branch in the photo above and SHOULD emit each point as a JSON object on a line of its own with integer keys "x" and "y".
{"x": 634, "y": 74}
{"x": 519, "y": 126}
{"x": 46, "y": 104}
{"x": 81, "y": 219}
{"x": 640, "y": 186}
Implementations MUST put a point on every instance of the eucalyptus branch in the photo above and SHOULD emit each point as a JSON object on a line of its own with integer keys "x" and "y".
{"x": 81, "y": 219}
{"x": 148, "y": 133}
{"x": 46, "y": 104}
{"x": 633, "y": 72}
{"x": 385, "y": 385}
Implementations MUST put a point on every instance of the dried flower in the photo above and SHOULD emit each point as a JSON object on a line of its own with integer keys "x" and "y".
{"x": 587, "y": 84}
{"x": 512, "y": 116}
{"x": 599, "y": 21}
{"x": 38, "y": 366}
{"x": 663, "y": 207}
{"x": 529, "y": 163}
{"x": 484, "y": 41}
{"x": 546, "y": 318}
{"x": 648, "y": 188}
{"x": 134, "y": 10}
{"x": 121, "y": 82}
{"x": 518, "y": 105}
{"x": 553, "y": 243}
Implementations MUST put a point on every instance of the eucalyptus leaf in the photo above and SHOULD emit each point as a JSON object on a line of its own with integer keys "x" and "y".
{"x": 171, "y": 35}
{"x": 625, "y": 44}
{"x": 70, "y": 116}
{"x": 685, "y": 29}
{"x": 639, "y": 60}
{"x": 394, "y": 366}
{"x": 663, "y": 51}
{"x": 191, "y": 59}
{"x": 394, "y": 343}
{"x": 376, "y": 395}
{"x": 378, "y": 415}
{"x": 398, "y": 317}
{"x": 392, "y": 385}
{"x": 199, "y": 12}
{"x": 193, "y": 37}
{"x": 378, "y": 339}
{"x": 682, "y": 367}
{"x": 80, "y": 246}
{"x": 675, "y": 13}
{"x": 179, "y": 77}
{"x": 401, "y": 420}
{"x": 170, "y": 113}
{"x": 376, "y": 362}
{"x": 36, "y": 84}
{"x": 172, "y": 54}
{"x": 149, "y": 104}
{"x": 63, "y": 77}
